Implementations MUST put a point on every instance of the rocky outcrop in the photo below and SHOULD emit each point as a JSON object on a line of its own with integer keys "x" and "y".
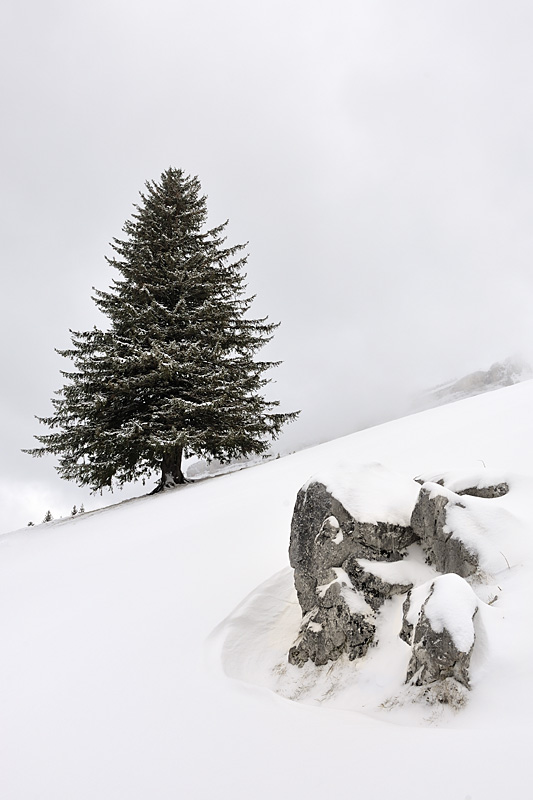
{"x": 486, "y": 492}
{"x": 441, "y": 633}
{"x": 348, "y": 563}
{"x": 339, "y": 622}
{"x": 374, "y": 588}
{"x": 445, "y": 550}
{"x": 337, "y": 595}
{"x": 324, "y": 534}
{"x": 484, "y": 483}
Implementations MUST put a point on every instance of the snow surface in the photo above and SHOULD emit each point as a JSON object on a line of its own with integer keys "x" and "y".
{"x": 452, "y": 606}
{"x": 355, "y": 600}
{"x": 458, "y": 480}
{"x": 413, "y": 569}
{"x": 113, "y": 624}
{"x": 490, "y": 528}
{"x": 370, "y": 492}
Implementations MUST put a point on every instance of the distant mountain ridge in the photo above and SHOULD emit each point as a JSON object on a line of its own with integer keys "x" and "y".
{"x": 499, "y": 374}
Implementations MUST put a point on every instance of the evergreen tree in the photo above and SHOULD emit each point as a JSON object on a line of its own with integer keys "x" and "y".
{"x": 74, "y": 511}
{"x": 175, "y": 373}
{"x": 82, "y": 509}
{"x": 48, "y": 516}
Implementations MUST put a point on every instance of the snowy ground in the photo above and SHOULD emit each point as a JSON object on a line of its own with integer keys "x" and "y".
{"x": 112, "y": 680}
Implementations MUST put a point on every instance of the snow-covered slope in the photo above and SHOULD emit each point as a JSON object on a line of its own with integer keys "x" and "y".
{"x": 111, "y": 685}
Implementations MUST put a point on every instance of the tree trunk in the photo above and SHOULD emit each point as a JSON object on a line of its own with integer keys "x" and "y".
{"x": 171, "y": 474}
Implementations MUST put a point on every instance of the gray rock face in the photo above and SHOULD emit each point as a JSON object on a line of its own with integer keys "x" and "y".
{"x": 324, "y": 535}
{"x": 406, "y": 631}
{"x": 375, "y": 589}
{"x": 326, "y": 542}
{"x": 473, "y": 485}
{"x": 436, "y": 655}
{"x": 344, "y": 572}
{"x": 332, "y": 628}
{"x": 446, "y": 552}
{"x": 487, "y": 492}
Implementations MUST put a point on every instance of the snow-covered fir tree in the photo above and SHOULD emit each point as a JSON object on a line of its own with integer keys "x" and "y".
{"x": 176, "y": 372}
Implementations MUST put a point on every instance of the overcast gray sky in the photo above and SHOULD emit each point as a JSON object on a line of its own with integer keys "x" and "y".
{"x": 376, "y": 154}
